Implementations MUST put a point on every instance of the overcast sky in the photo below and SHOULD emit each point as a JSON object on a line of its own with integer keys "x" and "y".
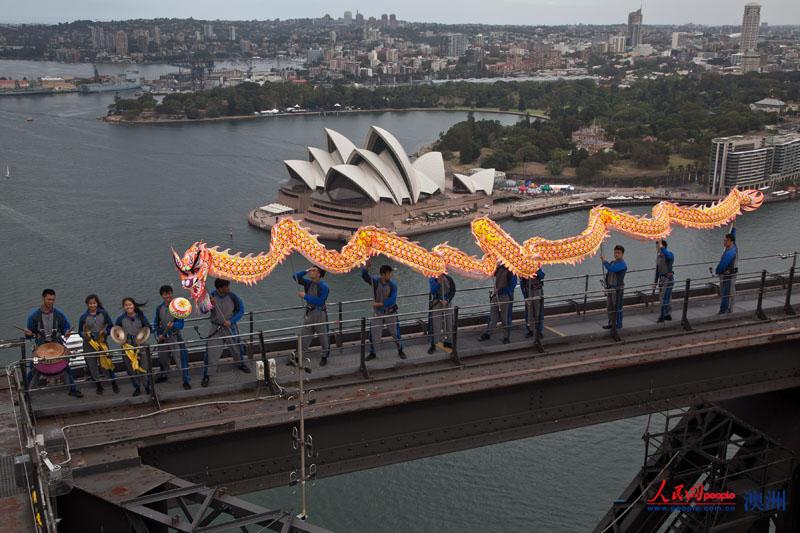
{"x": 528, "y": 12}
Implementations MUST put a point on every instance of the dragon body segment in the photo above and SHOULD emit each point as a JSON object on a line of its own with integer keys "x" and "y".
{"x": 200, "y": 261}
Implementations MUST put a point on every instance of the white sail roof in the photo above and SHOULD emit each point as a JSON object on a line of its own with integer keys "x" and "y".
{"x": 307, "y": 171}
{"x": 432, "y": 165}
{"x": 382, "y": 169}
{"x": 483, "y": 180}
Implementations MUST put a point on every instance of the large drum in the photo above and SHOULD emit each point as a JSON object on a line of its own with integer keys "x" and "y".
{"x": 51, "y": 358}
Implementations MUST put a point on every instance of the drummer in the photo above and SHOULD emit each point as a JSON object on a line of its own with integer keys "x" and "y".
{"x": 132, "y": 321}
{"x": 48, "y": 324}
{"x": 94, "y": 327}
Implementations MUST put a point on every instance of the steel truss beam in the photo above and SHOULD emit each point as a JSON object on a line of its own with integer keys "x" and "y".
{"x": 260, "y": 458}
{"x": 695, "y": 448}
{"x": 183, "y": 494}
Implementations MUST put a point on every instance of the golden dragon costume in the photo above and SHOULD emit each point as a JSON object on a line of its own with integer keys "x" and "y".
{"x": 524, "y": 259}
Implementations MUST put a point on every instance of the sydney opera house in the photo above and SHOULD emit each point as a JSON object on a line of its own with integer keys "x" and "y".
{"x": 342, "y": 187}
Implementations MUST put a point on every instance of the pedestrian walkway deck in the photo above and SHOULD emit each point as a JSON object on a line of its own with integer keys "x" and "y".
{"x": 561, "y": 331}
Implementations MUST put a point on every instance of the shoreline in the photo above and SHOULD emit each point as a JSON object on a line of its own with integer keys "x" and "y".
{"x": 117, "y": 119}
{"x": 517, "y": 213}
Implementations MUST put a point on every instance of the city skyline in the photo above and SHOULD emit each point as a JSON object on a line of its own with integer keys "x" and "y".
{"x": 501, "y": 12}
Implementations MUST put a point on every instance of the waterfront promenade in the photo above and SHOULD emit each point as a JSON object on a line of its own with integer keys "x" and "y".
{"x": 519, "y": 208}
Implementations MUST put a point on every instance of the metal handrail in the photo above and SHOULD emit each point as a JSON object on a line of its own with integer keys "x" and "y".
{"x": 255, "y": 312}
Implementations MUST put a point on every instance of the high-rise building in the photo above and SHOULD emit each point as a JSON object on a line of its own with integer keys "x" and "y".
{"x": 392, "y": 20}
{"x": 750, "y": 24}
{"x": 98, "y": 37}
{"x": 208, "y": 31}
{"x": 121, "y": 43}
{"x": 232, "y": 33}
{"x": 679, "y": 40}
{"x": 616, "y": 44}
{"x": 456, "y": 45}
{"x": 751, "y": 60}
{"x": 314, "y": 56}
{"x": 635, "y": 28}
{"x": 156, "y": 36}
{"x": 751, "y": 162}
{"x": 348, "y": 17}
{"x": 359, "y": 19}
{"x": 384, "y": 20}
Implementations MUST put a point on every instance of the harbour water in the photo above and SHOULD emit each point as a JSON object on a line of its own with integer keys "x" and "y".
{"x": 93, "y": 207}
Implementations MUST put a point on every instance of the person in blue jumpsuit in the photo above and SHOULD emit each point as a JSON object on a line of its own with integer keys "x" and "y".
{"x": 442, "y": 290}
{"x": 168, "y": 332}
{"x": 45, "y": 324}
{"x": 533, "y": 290}
{"x": 95, "y": 323}
{"x": 315, "y": 320}
{"x": 132, "y": 321}
{"x": 665, "y": 279}
{"x": 727, "y": 270}
{"x": 502, "y": 302}
{"x": 384, "y": 305}
{"x": 224, "y": 330}
{"x": 615, "y": 285}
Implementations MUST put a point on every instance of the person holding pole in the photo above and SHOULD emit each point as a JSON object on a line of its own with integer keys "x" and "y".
{"x": 615, "y": 285}
{"x": 502, "y": 301}
{"x": 665, "y": 279}
{"x": 440, "y": 298}
{"x": 727, "y": 270}
{"x": 315, "y": 321}
{"x": 384, "y": 305}
{"x": 533, "y": 291}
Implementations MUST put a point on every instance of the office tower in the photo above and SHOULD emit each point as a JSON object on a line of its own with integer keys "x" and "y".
{"x": 751, "y": 60}
{"x": 635, "y": 28}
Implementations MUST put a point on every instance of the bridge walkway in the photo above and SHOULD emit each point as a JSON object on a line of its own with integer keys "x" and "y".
{"x": 561, "y": 330}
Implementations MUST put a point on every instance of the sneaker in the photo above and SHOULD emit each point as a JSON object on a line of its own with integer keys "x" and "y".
{"x": 76, "y": 393}
{"x": 660, "y": 319}
{"x": 484, "y": 337}
{"x": 137, "y": 392}
{"x": 245, "y": 369}
{"x": 401, "y": 354}
{"x": 323, "y": 361}
{"x": 529, "y": 334}
{"x": 371, "y": 356}
{"x": 115, "y": 387}
{"x": 668, "y": 317}
{"x": 506, "y": 340}
{"x": 205, "y": 381}
{"x": 607, "y": 326}
{"x": 99, "y": 388}
{"x": 431, "y": 349}
{"x": 186, "y": 385}
{"x": 447, "y": 344}
{"x": 161, "y": 379}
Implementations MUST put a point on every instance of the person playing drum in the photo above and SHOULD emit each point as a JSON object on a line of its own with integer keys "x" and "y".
{"x": 47, "y": 324}
{"x": 132, "y": 321}
{"x": 94, "y": 327}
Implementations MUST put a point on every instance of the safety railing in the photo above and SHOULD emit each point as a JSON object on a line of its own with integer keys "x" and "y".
{"x": 418, "y": 334}
{"x": 269, "y": 318}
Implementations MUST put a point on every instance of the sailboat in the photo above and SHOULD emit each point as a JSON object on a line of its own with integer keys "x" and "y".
{"x": 8, "y": 172}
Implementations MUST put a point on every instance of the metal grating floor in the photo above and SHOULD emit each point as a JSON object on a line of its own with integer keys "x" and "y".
{"x": 8, "y": 484}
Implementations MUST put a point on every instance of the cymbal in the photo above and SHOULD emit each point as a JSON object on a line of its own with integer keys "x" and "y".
{"x": 143, "y": 335}
{"x": 118, "y": 335}
{"x": 50, "y": 350}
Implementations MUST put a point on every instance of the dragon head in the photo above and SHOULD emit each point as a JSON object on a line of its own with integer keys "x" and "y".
{"x": 751, "y": 199}
{"x": 193, "y": 270}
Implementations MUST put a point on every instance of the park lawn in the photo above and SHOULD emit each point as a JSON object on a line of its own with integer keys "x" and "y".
{"x": 676, "y": 160}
